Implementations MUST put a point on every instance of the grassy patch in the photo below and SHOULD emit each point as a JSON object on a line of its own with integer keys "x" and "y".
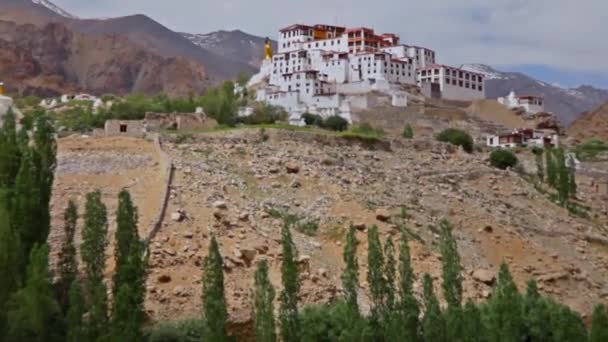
{"x": 590, "y": 149}
{"x": 300, "y": 224}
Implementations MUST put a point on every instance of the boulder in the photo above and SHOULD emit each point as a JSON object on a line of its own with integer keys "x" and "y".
{"x": 177, "y": 216}
{"x": 188, "y": 235}
{"x": 360, "y": 226}
{"x": 248, "y": 254}
{"x": 484, "y": 276}
{"x": 292, "y": 168}
{"x": 382, "y": 215}
{"x": 164, "y": 279}
{"x": 220, "y": 205}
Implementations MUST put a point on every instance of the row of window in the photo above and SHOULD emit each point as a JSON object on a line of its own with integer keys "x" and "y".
{"x": 454, "y": 73}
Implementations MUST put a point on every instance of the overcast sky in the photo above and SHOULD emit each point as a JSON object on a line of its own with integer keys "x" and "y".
{"x": 562, "y": 41}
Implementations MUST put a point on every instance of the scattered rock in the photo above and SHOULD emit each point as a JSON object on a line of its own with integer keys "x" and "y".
{"x": 488, "y": 229}
{"x": 188, "y": 235}
{"x": 177, "y": 216}
{"x": 220, "y": 205}
{"x": 360, "y": 226}
{"x": 322, "y": 272}
{"x": 382, "y": 215}
{"x": 484, "y": 276}
{"x": 244, "y": 216}
{"x": 248, "y": 254}
{"x": 292, "y": 168}
{"x": 164, "y": 279}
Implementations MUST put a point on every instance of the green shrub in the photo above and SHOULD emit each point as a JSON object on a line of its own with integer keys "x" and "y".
{"x": 503, "y": 159}
{"x": 312, "y": 119}
{"x": 590, "y": 149}
{"x": 457, "y": 137}
{"x": 408, "y": 132}
{"x": 264, "y": 114}
{"x": 180, "y": 331}
{"x": 335, "y": 123}
{"x": 367, "y": 129}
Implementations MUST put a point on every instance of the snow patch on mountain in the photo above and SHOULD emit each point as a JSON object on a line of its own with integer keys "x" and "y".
{"x": 55, "y": 8}
{"x": 487, "y": 71}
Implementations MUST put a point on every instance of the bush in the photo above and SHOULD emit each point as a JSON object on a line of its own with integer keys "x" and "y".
{"x": 457, "y": 137}
{"x": 590, "y": 149}
{"x": 264, "y": 114}
{"x": 335, "y": 123}
{"x": 408, "y": 132}
{"x": 181, "y": 331}
{"x": 312, "y": 119}
{"x": 503, "y": 159}
{"x": 367, "y": 129}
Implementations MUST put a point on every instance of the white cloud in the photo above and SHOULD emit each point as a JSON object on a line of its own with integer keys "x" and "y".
{"x": 564, "y": 34}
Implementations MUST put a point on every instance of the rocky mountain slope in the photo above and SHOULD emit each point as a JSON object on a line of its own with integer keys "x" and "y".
{"x": 236, "y": 45}
{"x": 567, "y": 104}
{"x": 592, "y": 124}
{"x": 142, "y": 31}
{"x": 53, "y": 59}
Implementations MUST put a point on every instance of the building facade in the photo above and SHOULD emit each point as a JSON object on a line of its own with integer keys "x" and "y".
{"x": 531, "y": 103}
{"x": 319, "y": 68}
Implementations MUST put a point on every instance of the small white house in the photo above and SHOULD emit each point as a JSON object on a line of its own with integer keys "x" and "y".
{"x": 531, "y": 103}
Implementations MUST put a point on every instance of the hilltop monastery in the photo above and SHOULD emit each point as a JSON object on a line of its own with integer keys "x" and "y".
{"x": 329, "y": 70}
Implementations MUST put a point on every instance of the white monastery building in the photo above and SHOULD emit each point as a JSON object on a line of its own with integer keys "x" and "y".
{"x": 328, "y": 70}
{"x": 532, "y": 104}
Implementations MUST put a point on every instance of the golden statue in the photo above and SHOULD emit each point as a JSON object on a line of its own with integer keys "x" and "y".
{"x": 1, "y": 88}
{"x": 267, "y": 50}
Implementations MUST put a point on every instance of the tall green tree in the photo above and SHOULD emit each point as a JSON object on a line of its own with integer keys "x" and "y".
{"x": 10, "y": 153}
{"x": 599, "y": 325}
{"x": 75, "y": 327}
{"x": 408, "y": 132}
{"x": 350, "y": 276}
{"x": 540, "y": 165}
{"x": 129, "y": 279}
{"x": 263, "y": 305}
{"x": 68, "y": 265}
{"x": 375, "y": 278}
{"x": 390, "y": 273}
{"x": 536, "y": 315}
{"x": 288, "y": 311}
{"x": 567, "y": 325}
{"x": 25, "y": 209}
{"x": 45, "y": 160}
{"x": 472, "y": 329}
{"x": 93, "y": 251}
{"x": 10, "y": 260}
{"x": 214, "y": 299}
{"x": 451, "y": 267}
{"x": 572, "y": 178}
{"x": 33, "y": 313}
{"x": 433, "y": 323}
{"x": 407, "y": 307}
{"x": 505, "y": 307}
{"x": 551, "y": 168}
{"x": 563, "y": 177}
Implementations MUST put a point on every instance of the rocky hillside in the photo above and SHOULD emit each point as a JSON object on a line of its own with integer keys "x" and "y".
{"x": 592, "y": 124}
{"x": 567, "y": 104}
{"x": 53, "y": 59}
{"x": 236, "y": 45}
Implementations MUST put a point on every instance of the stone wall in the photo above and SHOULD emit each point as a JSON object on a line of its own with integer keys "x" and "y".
{"x": 127, "y": 128}
{"x": 178, "y": 121}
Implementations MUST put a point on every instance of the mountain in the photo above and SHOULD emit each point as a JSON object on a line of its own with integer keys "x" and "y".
{"x": 54, "y": 59}
{"x": 567, "y": 104}
{"x": 235, "y": 45}
{"x": 140, "y": 29}
{"x": 592, "y": 124}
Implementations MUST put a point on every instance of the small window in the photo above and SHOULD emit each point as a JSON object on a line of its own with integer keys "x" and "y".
{"x": 123, "y": 128}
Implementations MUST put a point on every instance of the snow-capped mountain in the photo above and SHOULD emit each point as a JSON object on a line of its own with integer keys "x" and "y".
{"x": 235, "y": 45}
{"x": 55, "y": 8}
{"x": 566, "y": 103}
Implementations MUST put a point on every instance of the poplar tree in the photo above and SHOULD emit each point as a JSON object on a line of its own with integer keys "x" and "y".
{"x": 375, "y": 278}
{"x": 572, "y": 178}
{"x": 68, "y": 265}
{"x": 390, "y": 274}
{"x": 599, "y": 325}
{"x": 26, "y": 212}
{"x": 451, "y": 268}
{"x": 350, "y": 276}
{"x": 129, "y": 279}
{"x": 540, "y": 165}
{"x": 263, "y": 305}
{"x": 10, "y": 260}
{"x": 288, "y": 311}
{"x": 551, "y": 168}
{"x": 505, "y": 321}
{"x": 45, "y": 153}
{"x": 93, "y": 250}
{"x": 408, "y": 305}
{"x": 10, "y": 154}
{"x": 433, "y": 323}
{"x": 33, "y": 313}
{"x": 536, "y": 315}
{"x": 472, "y": 329}
{"x": 75, "y": 327}
{"x": 563, "y": 177}
{"x": 214, "y": 300}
